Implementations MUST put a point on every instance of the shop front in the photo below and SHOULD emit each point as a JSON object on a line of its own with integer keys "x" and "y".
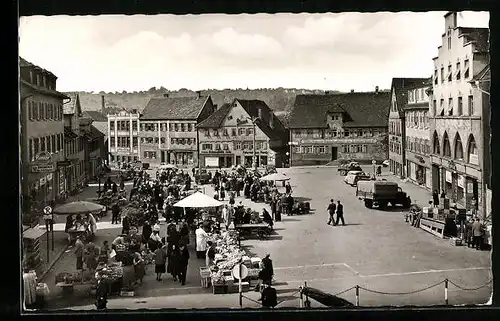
{"x": 218, "y": 159}
{"x": 418, "y": 169}
{"x": 181, "y": 158}
{"x": 460, "y": 182}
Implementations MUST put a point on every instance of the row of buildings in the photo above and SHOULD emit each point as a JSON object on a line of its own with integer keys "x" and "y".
{"x": 439, "y": 126}
{"x": 60, "y": 149}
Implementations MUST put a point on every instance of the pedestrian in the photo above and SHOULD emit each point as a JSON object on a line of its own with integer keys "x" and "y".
{"x": 104, "y": 252}
{"x": 379, "y": 170}
{"x": 201, "y": 242}
{"x": 115, "y": 213}
{"x": 288, "y": 188}
{"x": 210, "y": 254}
{"x": 125, "y": 225}
{"x": 273, "y": 208}
{"x": 267, "y": 218}
{"x": 225, "y": 216}
{"x": 340, "y": 213}
{"x": 101, "y": 293}
{"x": 231, "y": 198}
{"x": 267, "y": 267}
{"x": 160, "y": 261}
{"x": 122, "y": 183}
{"x": 79, "y": 248}
{"x": 331, "y": 212}
{"x": 139, "y": 267}
{"x": 435, "y": 198}
{"x": 269, "y": 297}
{"x": 146, "y": 232}
{"x": 183, "y": 262}
{"x": 477, "y": 232}
{"x": 92, "y": 256}
{"x": 443, "y": 194}
{"x": 173, "y": 255}
{"x": 222, "y": 193}
{"x": 114, "y": 188}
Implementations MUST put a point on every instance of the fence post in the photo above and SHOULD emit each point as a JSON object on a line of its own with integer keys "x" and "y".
{"x": 446, "y": 291}
{"x": 301, "y": 298}
{"x": 357, "y": 295}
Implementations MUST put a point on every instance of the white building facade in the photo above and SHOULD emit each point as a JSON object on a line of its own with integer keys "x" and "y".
{"x": 123, "y": 137}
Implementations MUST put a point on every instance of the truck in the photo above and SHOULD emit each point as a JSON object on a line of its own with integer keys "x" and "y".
{"x": 381, "y": 193}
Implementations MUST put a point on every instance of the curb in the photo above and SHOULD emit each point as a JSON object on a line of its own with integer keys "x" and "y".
{"x": 42, "y": 277}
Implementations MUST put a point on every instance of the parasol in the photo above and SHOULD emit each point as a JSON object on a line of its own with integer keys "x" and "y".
{"x": 198, "y": 200}
{"x": 275, "y": 177}
{"x": 78, "y": 207}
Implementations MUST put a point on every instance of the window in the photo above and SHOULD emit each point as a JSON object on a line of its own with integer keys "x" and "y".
{"x": 176, "y": 127}
{"x": 241, "y": 131}
{"x": 449, "y": 73}
{"x": 217, "y": 146}
{"x": 42, "y": 144}
{"x": 112, "y": 125}
{"x": 207, "y": 132}
{"x": 171, "y": 127}
{"x": 446, "y": 146}
{"x": 457, "y": 75}
{"x": 346, "y": 133}
{"x": 441, "y": 107}
{"x": 237, "y": 146}
{"x": 156, "y": 140}
{"x": 459, "y": 106}
{"x": 321, "y": 149}
{"x": 363, "y": 148}
{"x": 162, "y": 140}
{"x": 459, "y": 152}
{"x": 436, "y": 149}
{"x": 216, "y": 133}
{"x": 471, "y": 105}
{"x": 182, "y": 127}
{"x": 128, "y": 142}
{"x": 310, "y": 132}
{"x": 233, "y": 131}
{"x": 309, "y": 149}
{"x": 466, "y": 68}
{"x": 442, "y": 75}
{"x": 112, "y": 141}
{"x": 450, "y": 106}
{"x": 189, "y": 127}
{"x": 135, "y": 141}
{"x": 449, "y": 39}
{"x": 54, "y": 150}
{"x": 225, "y": 146}
{"x": 472, "y": 151}
{"x": 345, "y": 148}
{"x": 146, "y": 154}
{"x": 436, "y": 79}
{"x": 206, "y": 146}
{"x": 134, "y": 125}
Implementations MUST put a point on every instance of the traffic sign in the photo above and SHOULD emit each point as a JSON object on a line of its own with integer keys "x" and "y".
{"x": 47, "y": 210}
{"x": 374, "y": 162}
{"x": 236, "y": 271}
{"x": 42, "y": 168}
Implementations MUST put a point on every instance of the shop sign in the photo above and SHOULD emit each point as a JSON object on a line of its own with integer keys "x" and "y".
{"x": 43, "y": 157}
{"x": 461, "y": 181}
{"x": 448, "y": 177}
{"x": 42, "y": 168}
{"x": 43, "y": 180}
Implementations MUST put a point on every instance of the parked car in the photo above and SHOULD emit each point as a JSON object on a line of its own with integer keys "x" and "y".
{"x": 353, "y": 177}
{"x": 381, "y": 193}
{"x": 385, "y": 163}
{"x": 351, "y": 166}
{"x": 202, "y": 177}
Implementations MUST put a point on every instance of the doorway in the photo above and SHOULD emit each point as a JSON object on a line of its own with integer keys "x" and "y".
{"x": 229, "y": 161}
{"x": 335, "y": 153}
{"x": 162, "y": 156}
{"x": 436, "y": 179}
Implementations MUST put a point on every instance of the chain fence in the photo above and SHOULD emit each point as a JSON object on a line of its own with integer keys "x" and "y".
{"x": 304, "y": 299}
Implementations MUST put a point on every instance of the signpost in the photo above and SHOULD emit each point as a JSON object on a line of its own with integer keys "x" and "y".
{"x": 374, "y": 163}
{"x": 47, "y": 216}
{"x": 240, "y": 272}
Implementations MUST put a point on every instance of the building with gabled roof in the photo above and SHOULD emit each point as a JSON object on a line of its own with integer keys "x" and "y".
{"x": 399, "y": 98}
{"x": 343, "y": 126}
{"x": 42, "y": 137}
{"x": 243, "y": 132}
{"x": 167, "y": 132}
{"x": 458, "y": 114}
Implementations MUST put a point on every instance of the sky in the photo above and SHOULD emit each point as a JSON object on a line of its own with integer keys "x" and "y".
{"x": 341, "y": 51}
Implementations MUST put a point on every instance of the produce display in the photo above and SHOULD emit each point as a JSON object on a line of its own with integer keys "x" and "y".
{"x": 255, "y": 218}
{"x": 110, "y": 271}
{"x": 75, "y": 277}
{"x": 227, "y": 257}
{"x": 135, "y": 214}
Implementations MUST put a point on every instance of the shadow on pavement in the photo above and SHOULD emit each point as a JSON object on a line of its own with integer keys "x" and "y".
{"x": 288, "y": 219}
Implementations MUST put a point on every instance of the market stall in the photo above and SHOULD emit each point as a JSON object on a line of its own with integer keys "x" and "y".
{"x": 80, "y": 221}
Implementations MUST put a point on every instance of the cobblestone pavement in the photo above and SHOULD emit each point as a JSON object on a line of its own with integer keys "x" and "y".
{"x": 376, "y": 250}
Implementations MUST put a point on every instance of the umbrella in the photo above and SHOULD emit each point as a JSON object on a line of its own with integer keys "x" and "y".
{"x": 198, "y": 200}
{"x": 275, "y": 177}
{"x": 78, "y": 207}
{"x": 325, "y": 298}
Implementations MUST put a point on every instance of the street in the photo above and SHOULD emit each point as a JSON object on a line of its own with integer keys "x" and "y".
{"x": 376, "y": 250}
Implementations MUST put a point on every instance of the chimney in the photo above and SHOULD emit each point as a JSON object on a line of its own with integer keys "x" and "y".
{"x": 103, "y": 105}
{"x": 376, "y": 89}
{"x": 271, "y": 120}
{"x": 327, "y": 92}
{"x": 450, "y": 20}
{"x": 165, "y": 95}
{"x": 352, "y": 90}
{"x": 198, "y": 93}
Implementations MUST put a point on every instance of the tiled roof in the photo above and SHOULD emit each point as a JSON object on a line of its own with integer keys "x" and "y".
{"x": 484, "y": 74}
{"x": 215, "y": 120}
{"x": 24, "y": 63}
{"x": 401, "y": 86}
{"x": 102, "y": 127}
{"x": 95, "y": 133}
{"x": 177, "y": 108}
{"x": 43, "y": 90}
{"x": 95, "y": 115}
{"x": 252, "y": 108}
{"x": 361, "y": 109}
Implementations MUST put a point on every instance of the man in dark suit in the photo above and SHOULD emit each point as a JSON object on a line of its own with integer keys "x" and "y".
{"x": 331, "y": 212}
{"x": 267, "y": 269}
{"x": 101, "y": 294}
{"x": 340, "y": 213}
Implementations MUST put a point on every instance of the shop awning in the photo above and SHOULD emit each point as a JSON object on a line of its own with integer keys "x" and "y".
{"x": 33, "y": 233}
{"x": 198, "y": 200}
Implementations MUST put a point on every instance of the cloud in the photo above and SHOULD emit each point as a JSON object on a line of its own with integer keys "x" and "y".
{"x": 239, "y": 44}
